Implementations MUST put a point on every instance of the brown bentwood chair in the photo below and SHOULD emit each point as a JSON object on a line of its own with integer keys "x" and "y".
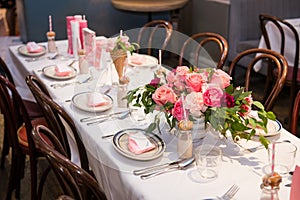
{"x": 295, "y": 115}
{"x": 285, "y": 29}
{"x": 18, "y": 127}
{"x": 155, "y": 34}
{"x": 73, "y": 179}
{"x": 272, "y": 58}
{"x": 210, "y": 42}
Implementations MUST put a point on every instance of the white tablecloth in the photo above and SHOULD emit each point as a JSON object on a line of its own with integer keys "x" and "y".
{"x": 275, "y": 41}
{"x": 115, "y": 172}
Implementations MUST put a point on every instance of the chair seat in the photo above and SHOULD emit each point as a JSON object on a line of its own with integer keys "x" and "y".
{"x": 22, "y": 135}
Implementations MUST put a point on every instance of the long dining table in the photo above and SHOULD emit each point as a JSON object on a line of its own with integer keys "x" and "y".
{"x": 114, "y": 171}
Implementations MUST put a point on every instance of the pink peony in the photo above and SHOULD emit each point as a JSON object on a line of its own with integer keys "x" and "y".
{"x": 212, "y": 96}
{"x": 195, "y": 81}
{"x": 194, "y": 102}
{"x": 182, "y": 70}
{"x": 221, "y": 78}
{"x": 164, "y": 94}
{"x": 177, "y": 111}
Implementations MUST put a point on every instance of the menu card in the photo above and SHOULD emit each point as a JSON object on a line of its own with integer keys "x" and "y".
{"x": 89, "y": 38}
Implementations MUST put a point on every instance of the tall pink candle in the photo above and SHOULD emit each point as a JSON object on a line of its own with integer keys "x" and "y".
{"x": 82, "y": 24}
{"x": 69, "y": 33}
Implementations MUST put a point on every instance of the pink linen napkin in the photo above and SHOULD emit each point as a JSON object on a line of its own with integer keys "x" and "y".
{"x": 96, "y": 99}
{"x": 33, "y": 47}
{"x": 295, "y": 188}
{"x": 138, "y": 143}
{"x": 137, "y": 59}
{"x": 62, "y": 71}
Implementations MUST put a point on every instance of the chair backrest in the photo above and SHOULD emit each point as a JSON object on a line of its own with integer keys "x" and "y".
{"x": 210, "y": 42}
{"x": 295, "y": 115}
{"x": 58, "y": 120}
{"x": 75, "y": 181}
{"x": 6, "y": 71}
{"x": 273, "y": 58}
{"x": 285, "y": 30}
{"x": 15, "y": 113}
{"x": 155, "y": 34}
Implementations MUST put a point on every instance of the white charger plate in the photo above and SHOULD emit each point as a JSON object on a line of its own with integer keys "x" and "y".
{"x": 80, "y": 101}
{"x": 148, "y": 61}
{"x": 23, "y": 51}
{"x": 273, "y": 127}
{"x": 49, "y": 71}
{"x": 120, "y": 143}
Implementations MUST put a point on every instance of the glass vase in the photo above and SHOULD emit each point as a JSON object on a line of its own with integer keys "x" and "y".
{"x": 184, "y": 144}
{"x": 198, "y": 131}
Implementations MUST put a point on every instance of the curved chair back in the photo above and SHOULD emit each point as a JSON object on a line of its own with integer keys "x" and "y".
{"x": 286, "y": 30}
{"x": 58, "y": 121}
{"x": 155, "y": 34}
{"x": 75, "y": 181}
{"x": 205, "y": 41}
{"x": 295, "y": 115}
{"x": 17, "y": 126}
{"x": 272, "y": 57}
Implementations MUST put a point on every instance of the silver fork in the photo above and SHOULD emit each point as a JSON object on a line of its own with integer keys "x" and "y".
{"x": 230, "y": 193}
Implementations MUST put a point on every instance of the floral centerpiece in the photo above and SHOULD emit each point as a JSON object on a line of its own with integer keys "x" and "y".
{"x": 118, "y": 48}
{"x": 207, "y": 92}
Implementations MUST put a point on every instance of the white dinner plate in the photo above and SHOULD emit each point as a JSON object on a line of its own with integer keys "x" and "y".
{"x": 80, "y": 101}
{"x": 49, "y": 71}
{"x": 146, "y": 61}
{"x": 273, "y": 127}
{"x": 120, "y": 143}
{"x": 23, "y": 51}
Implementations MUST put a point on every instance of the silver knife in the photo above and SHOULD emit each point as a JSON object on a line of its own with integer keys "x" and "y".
{"x": 87, "y": 119}
{"x": 138, "y": 172}
{"x": 180, "y": 166}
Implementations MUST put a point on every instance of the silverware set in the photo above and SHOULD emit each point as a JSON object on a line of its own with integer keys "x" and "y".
{"x": 102, "y": 118}
{"x": 60, "y": 85}
{"x": 150, "y": 172}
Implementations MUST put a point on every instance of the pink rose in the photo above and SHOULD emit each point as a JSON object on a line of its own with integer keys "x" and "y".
{"x": 194, "y": 102}
{"x": 195, "y": 81}
{"x": 246, "y": 108}
{"x": 154, "y": 82}
{"x": 182, "y": 70}
{"x": 212, "y": 96}
{"x": 221, "y": 78}
{"x": 228, "y": 100}
{"x": 177, "y": 111}
{"x": 164, "y": 94}
{"x": 171, "y": 78}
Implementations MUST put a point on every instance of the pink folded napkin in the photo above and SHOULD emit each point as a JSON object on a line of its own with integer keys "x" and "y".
{"x": 137, "y": 59}
{"x": 295, "y": 188}
{"x": 33, "y": 47}
{"x": 138, "y": 143}
{"x": 96, "y": 99}
{"x": 62, "y": 71}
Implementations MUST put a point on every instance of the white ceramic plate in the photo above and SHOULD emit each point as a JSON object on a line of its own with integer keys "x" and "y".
{"x": 146, "y": 61}
{"x": 49, "y": 71}
{"x": 80, "y": 101}
{"x": 23, "y": 51}
{"x": 274, "y": 128}
{"x": 120, "y": 143}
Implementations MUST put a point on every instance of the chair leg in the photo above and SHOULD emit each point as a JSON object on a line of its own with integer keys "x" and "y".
{"x": 33, "y": 175}
{"x": 5, "y": 149}
{"x": 14, "y": 176}
{"x": 42, "y": 182}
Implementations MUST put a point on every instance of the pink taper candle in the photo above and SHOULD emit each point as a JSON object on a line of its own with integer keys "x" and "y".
{"x": 50, "y": 23}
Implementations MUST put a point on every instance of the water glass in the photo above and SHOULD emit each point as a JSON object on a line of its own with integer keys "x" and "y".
{"x": 284, "y": 157}
{"x": 208, "y": 159}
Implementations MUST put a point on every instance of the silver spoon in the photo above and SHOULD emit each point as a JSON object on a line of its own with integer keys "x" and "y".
{"x": 119, "y": 116}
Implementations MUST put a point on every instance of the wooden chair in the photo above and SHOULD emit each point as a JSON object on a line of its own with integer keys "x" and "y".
{"x": 32, "y": 108}
{"x": 295, "y": 115}
{"x": 17, "y": 126}
{"x": 272, "y": 58}
{"x": 293, "y": 75}
{"x": 155, "y": 34}
{"x": 204, "y": 41}
{"x": 59, "y": 122}
{"x": 73, "y": 179}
